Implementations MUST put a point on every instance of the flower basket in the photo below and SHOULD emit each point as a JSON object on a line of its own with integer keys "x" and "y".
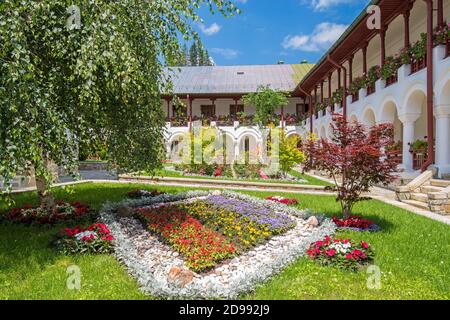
{"x": 342, "y": 253}
{"x": 355, "y": 223}
{"x": 63, "y": 212}
{"x": 94, "y": 239}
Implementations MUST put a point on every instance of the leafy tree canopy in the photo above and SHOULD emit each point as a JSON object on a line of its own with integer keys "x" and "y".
{"x": 75, "y": 71}
{"x": 266, "y": 101}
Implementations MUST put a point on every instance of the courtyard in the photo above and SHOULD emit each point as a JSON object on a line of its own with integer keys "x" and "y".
{"x": 411, "y": 252}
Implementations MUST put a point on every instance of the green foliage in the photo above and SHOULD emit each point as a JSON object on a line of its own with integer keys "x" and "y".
{"x": 390, "y": 67}
{"x": 266, "y": 101}
{"x": 102, "y": 80}
{"x": 337, "y": 96}
{"x": 290, "y": 155}
{"x": 419, "y": 146}
{"x": 27, "y": 261}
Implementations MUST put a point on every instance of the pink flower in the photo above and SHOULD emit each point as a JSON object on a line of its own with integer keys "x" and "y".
{"x": 331, "y": 252}
{"x": 364, "y": 245}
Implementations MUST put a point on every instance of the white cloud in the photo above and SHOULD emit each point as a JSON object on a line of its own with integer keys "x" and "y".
{"x": 323, "y": 36}
{"x": 211, "y": 30}
{"x": 226, "y": 53}
{"x": 320, "y": 5}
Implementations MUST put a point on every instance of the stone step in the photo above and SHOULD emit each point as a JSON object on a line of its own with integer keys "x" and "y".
{"x": 417, "y": 204}
{"x": 440, "y": 183}
{"x": 427, "y": 189}
{"x": 422, "y": 197}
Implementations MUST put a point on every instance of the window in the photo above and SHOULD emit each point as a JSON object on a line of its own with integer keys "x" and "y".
{"x": 208, "y": 110}
{"x": 301, "y": 109}
{"x": 235, "y": 109}
{"x": 179, "y": 111}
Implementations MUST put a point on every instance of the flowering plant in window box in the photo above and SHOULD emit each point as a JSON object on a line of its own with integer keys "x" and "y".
{"x": 355, "y": 223}
{"x": 373, "y": 75}
{"x": 343, "y": 253}
{"x": 419, "y": 146}
{"x": 94, "y": 239}
{"x": 283, "y": 200}
{"x": 337, "y": 96}
{"x": 357, "y": 84}
{"x": 442, "y": 34}
{"x": 63, "y": 211}
{"x": 390, "y": 67}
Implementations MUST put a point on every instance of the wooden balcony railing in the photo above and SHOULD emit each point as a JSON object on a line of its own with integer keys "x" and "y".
{"x": 418, "y": 65}
{"x": 397, "y": 155}
{"x": 371, "y": 90}
{"x": 391, "y": 80}
{"x": 419, "y": 159}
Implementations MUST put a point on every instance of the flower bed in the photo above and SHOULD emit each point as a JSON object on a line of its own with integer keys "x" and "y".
{"x": 63, "y": 212}
{"x": 94, "y": 239}
{"x": 342, "y": 253}
{"x": 163, "y": 270}
{"x": 201, "y": 246}
{"x": 283, "y": 200}
{"x": 356, "y": 224}
{"x": 211, "y": 229}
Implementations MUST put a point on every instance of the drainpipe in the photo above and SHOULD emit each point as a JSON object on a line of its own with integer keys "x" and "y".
{"x": 344, "y": 99}
{"x": 430, "y": 129}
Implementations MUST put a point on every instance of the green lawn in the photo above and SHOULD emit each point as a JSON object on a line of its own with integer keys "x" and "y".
{"x": 412, "y": 252}
{"x": 309, "y": 180}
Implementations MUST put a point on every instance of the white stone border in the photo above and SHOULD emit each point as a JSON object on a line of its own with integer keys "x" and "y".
{"x": 150, "y": 261}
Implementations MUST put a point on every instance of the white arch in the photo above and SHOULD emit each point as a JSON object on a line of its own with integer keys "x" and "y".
{"x": 353, "y": 118}
{"x": 409, "y": 103}
{"x": 245, "y": 134}
{"x": 175, "y": 136}
{"x": 386, "y": 112}
{"x": 368, "y": 116}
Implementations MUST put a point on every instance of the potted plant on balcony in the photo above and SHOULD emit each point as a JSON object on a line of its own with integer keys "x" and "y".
{"x": 442, "y": 34}
{"x": 390, "y": 68}
{"x": 373, "y": 75}
{"x": 418, "y": 54}
{"x": 337, "y": 96}
{"x": 357, "y": 84}
{"x": 419, "y": 146}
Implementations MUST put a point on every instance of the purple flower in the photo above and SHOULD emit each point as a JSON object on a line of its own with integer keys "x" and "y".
{"x": 275, "y": 221}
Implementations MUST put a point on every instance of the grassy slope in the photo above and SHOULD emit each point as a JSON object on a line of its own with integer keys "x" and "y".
{"x": 310, "y": 180}
{"x": 412, "y": 252}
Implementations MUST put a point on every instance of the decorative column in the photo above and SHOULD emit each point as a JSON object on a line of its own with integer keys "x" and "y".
{"x": 329, "y": 87}
{"x": 190, "y": 111}
{"x": 321, "y": 91}
{"x": 350, "y": 69}
{"x": 406, "y": 16}
{"x": 442, "y": 114}
{"x": 339, "y": 78}
{"x": 364, "y": 51}
{"x": 440, "y": 13}
{"x": 213, "y": 102}
{"x": 408, "y": 121}
{"x": 168, "y": 107}
{"x": 383, "y": 45}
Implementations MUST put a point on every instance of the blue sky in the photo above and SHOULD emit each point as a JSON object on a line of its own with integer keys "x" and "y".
{"x": 271, "y": 30}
